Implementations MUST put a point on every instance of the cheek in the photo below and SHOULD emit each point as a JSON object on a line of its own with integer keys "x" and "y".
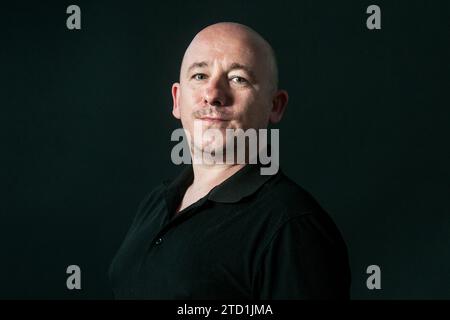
{"x": 251, "y": 111}
{"x": 192, "y": 94}
{"x": 244, "y": 102}
{"x": 186, "y": 102}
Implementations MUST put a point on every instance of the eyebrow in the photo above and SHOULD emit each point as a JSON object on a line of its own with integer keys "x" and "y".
{"x": 234, "y": 66}
{"x": 238, "y": 66}
{"x": 197, "y": 65}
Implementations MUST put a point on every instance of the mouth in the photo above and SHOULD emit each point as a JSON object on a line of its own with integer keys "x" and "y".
{"x": 213, "y": 119}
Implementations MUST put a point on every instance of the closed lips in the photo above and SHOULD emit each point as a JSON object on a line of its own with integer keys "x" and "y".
{"x": 212, "y": 118}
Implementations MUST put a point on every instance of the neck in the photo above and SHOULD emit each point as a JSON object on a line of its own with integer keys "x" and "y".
{"x": 207, "y": 177}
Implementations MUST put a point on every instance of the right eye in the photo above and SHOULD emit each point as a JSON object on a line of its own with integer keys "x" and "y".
{"x": 199, "y": 76}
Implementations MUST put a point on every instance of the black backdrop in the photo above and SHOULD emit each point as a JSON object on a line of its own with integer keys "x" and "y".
{"x": 86, "y": 122}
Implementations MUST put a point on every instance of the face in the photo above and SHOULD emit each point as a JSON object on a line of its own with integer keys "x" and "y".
{"x": 225, "y": 83}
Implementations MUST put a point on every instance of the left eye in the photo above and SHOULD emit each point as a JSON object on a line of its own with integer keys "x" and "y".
{"x": 239, "y": 80}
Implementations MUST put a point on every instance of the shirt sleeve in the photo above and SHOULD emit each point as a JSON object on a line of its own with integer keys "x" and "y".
{"x": 306, "y": 258}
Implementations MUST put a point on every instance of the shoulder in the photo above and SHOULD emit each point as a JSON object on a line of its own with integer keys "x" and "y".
{"x": 152, "y": 196}
{"x": 149, "y": 202}
{"x": 288, "y": 199}
{"x": 289, "y": 208}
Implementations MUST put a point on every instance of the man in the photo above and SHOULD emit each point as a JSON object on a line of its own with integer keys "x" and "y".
{"x": 224, "y": 230}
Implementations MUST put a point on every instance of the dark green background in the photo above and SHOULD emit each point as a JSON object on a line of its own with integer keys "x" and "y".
{"x": 86, "y": 122}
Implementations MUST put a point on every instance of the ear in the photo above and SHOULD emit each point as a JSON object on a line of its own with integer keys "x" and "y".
{"x": 176, "y": 99}
{"x": 279, "y": 103}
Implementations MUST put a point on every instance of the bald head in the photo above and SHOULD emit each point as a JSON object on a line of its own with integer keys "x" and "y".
{"x": 228, "y": 35}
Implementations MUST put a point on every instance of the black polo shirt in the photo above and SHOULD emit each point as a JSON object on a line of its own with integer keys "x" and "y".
{"x": 251, "y": 237}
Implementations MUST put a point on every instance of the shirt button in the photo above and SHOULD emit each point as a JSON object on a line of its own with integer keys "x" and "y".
{"x": 158, "y": 241}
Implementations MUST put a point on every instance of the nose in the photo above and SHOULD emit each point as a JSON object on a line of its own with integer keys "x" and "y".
{"x": 216, "y": 93}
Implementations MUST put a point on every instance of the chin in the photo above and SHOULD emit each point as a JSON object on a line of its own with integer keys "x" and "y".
{"x": 213, "y": 149}
{"x": 209, "y": 151}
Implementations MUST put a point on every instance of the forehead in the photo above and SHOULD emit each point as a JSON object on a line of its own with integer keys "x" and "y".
{"x": 223, "y": 50}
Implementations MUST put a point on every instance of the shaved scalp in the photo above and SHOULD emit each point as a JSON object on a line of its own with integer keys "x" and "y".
{"x": 253, "y": 39}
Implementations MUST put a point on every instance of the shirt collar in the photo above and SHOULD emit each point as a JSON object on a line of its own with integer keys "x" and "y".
{"x": 241, "y": 184}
